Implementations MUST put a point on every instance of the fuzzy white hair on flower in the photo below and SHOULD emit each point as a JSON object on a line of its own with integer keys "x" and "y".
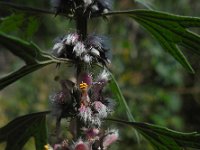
{"x": 95, "y": 8}
{"x": 104, "y": 75}
{"x": 111, "y": 137}
{"x": 58, "y": 47}
{"x": 79, "y": 49}
{"x": 110, "y": 103}
{"x": 85, "y": 113}
{"x": 101, "y": 109}
{"x": 95, "y": 120}
{"x": 94, "y": 51}
{"x": 87, "y": 59}
{"x": 71, "y": 39}
{"x": 87, "y": 2}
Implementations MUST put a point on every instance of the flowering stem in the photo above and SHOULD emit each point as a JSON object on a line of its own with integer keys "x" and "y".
{"x": 81, "y": 27}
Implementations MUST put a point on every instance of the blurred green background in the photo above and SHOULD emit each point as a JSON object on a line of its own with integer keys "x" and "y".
{"x": 158, "y": 90}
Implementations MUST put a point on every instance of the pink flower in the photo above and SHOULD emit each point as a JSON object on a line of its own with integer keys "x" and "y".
{"x": 92, "y": 133}
{"x": 101, "y": 109}
{"x": 80, "y": 145}
{"x": 85, "y": 113}
{"x": 111, "y": 137}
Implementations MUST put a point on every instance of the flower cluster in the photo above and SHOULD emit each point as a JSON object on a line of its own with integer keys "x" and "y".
{"x": 89, "y": 7}
{"x": 86, "y": 101}
{"x": 94, "y": 140}
{"x": 94, "y": 106}
{"x": 93, "y": 49}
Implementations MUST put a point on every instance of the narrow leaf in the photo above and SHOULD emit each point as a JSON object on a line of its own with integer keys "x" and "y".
{"x": 20, "y": 130}
{"x": 16, "y": 75}
{"x": 119, "y": 96}
{"x": 163, "y": 138}
{"x": 30, "y": 53}
{"x": 169, "y": 30}
{"x": 27, "y": 51}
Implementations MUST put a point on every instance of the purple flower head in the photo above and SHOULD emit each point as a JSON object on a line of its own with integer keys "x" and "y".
{"x": 86, "y": 78}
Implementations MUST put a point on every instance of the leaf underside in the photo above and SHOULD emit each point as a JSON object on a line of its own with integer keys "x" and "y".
{"x": 170, "y": 31}
{"x": 163, "y": 138}
{"x": 20, "y": 130}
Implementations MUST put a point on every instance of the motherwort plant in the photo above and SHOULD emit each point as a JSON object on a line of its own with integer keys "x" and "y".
{"x": 82, "y": 102}
{"x": 84, "y": 99}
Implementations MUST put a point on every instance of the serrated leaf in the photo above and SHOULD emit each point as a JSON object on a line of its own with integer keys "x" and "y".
{"x": 163, "y": 138}
{"x": 30, "y": 53}
{"x": 20, "y": 130}
{"x": 170, "y": 31}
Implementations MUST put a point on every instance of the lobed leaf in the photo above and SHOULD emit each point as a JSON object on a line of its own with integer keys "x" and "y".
{"x": 20, "y": 130}
{"x": 163, "y": 138}
{"x": 169, "y": 30}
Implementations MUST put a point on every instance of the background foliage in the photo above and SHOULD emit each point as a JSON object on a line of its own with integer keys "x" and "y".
{"x": 157, "y": 88}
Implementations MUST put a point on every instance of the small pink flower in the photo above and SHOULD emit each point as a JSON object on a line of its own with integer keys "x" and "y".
{"x": 101, "y": 109}
{"x": 80, "y": 145}
{"x": 85, "y": 113}
{"x": 92, "y": 133}
{"x": 111, "y": 137}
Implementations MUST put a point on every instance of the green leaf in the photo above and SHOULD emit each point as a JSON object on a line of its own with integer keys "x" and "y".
{"x": 170, "y": 31}
{"x": 20, "y": 130}
{"x": 27, "y": 51}
{"x": 119, "y": 96}
{"x": 30, "y": 53}
{"x": 163, "y": 138}
{"x": 32, "y": 26}
{"x": 12, "y": 23}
